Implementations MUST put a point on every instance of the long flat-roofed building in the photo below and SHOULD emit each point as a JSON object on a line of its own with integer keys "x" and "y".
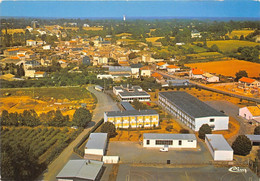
{"x": 191, "y": 111}
{"x": 96, "y": 146}
{"x": 81, "y": 170}
{"x": 157, "y": 140}
{"x": 130, "y": 93}
{"x": 132, "y": 118}
{"x": 219, "y": 147}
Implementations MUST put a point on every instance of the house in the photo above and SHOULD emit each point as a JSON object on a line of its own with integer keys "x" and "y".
{"x": 219, "y": 147}
{"x": 30, "y": 43}
{"x": 147, "y": 58}
{"x": 145, "y": 71}
{"x": 96, "y": 146}
{"x": 40, "y": 74}
{"x": 158, "y": 77}
{"x": 81, "y": 169}
{"x": 11, "y": 52}
{"x": 162, "y": 65}
{"x": 132, "y": 118}
{"x": 250, "y": 112}
{"x": 120, "y": 71}
{"x": 191, "y": 111}
{"x": 105, "y": 76}
{"x": 195, "y": 34}
{"x": 40, "y": 42}
{"x": 135, "y": 68}
{"x": 29, "y": 73}
{"x": 172, "y": 68}
{"x": 31, "y": 64}
{"x": 157, "y": 140}
{"x": 210, "y": 78}
{"x": 246, "y": 83}
{"x": 130, "y": 93}
{"x": 62, "y": 61}
{"x": 46, "y": 47}
{"x": 196, "y": 74}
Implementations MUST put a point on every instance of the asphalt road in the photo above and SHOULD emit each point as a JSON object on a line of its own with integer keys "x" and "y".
{"x": 105, "y": 103}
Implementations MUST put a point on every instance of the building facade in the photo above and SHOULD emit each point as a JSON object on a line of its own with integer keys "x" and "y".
{"x": 132, "y": 118}
{"x": 156, "y": 140}
{"x": 191, "y": 111}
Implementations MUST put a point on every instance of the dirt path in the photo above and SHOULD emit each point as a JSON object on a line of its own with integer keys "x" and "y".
{"x": 105, "y": 103}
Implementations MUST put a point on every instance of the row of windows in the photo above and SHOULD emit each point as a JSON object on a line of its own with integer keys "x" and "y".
{"x": 165, "y": 142}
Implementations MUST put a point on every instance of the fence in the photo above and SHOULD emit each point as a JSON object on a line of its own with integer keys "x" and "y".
{"x": 76, "y": 148}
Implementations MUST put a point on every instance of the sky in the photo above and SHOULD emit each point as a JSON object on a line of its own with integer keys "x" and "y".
{"x": 130, "y": 8}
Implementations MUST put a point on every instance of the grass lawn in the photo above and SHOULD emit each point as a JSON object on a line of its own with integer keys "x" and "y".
{"x": 230, "y": 45}
{"x": 238, "y": 33}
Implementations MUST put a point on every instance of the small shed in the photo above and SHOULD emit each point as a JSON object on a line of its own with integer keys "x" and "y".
{"x": 219, "y": 147}
{"x": 96, "y": 144}
{"x": 156, "y": 140}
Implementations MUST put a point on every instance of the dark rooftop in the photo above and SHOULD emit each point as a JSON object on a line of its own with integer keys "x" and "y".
{"x": 131, "y": 113}
{"x": 127, "y": 106}
{"x": 190, "y": 104}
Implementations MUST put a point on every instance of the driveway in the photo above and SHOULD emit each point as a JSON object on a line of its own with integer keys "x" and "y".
{"x": 105, "y": 103}
{"x": 205, "y": 173}
{"x": 133, "y": 152}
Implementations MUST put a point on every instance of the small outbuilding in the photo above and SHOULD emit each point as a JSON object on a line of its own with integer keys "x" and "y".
{"x": 219, "y": 147}
{"x": 255, "y": 139}
{"x": 96, "y": 146}
{"x": 81, "y": 170}
{"x": 157, "y": 140}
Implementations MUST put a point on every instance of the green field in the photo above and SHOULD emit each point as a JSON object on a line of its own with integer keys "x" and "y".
{"x": 70, "y": 93}
{"x": 45, "y": 143}
{"x": 231, "y": 45}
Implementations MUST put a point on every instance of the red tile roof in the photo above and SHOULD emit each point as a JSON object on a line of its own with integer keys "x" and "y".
{"x": 247, "y": 80}
{"x": 172, "y": 67}
{"x": 160, "y": 63}
{"x": 157, "y": 76}
{"x": 197, "y": 72}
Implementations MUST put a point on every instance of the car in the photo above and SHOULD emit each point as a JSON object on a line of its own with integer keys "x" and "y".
{"x": 164, "y": 149}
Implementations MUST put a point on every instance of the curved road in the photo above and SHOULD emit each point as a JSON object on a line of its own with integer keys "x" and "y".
{"x": 105, "y": 103}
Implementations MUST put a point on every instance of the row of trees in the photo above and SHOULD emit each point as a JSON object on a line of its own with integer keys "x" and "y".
{"x": 81, "y": 118}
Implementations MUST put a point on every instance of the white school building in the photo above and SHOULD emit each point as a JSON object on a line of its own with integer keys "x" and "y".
{"x": 96, "y": 144}
{"x": 156, "y": 140}
{"x": 191, "y": 111}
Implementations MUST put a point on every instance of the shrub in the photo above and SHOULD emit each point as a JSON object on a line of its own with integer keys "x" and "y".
{"x": 109, "y": 128}
{"x": 204, "y": 129}
{"x": 184, "y": 131}
{"x": 242, "y": 145}
{"x": 169, "y": 128}
{"x": 257, "y": 130}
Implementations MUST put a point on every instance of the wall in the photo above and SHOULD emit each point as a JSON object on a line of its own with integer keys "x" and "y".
{"x": 243, "y": 111}
{"x": 220, "y": 155}
{"x": 221, "y": 123}
{"x": 94, "y": 151}
{"x": 185, "y": 144}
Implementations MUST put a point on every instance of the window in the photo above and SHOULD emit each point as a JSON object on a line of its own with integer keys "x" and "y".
{"x": 163, "y": 142}
{"x": 190, "y": 140}
{"x": 148, "y": 142}
{"x": 212, "y": 120}
{"x": 180, "y": 142}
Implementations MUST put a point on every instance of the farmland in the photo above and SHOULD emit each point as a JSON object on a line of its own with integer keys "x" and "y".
{"x": 12, "y": 31}
{"x": 238, "y": 33}
{"x": 228, "y": 68}
{"x": 153, "y": 39}
{"x": 230, "y": 45}
{"x": 45, "y": 145}
{"x": 67, "y": 99}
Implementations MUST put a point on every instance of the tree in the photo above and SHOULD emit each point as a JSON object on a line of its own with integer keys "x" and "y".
{"x": 242, "y": 37}
{"x": 184, "y": 131}
{"x": 204, "y": 129}
{"x": 257, "y": 130}
{"x": 242, "y": 145}
{"x": 109, "y": 128}
{"x": 91, "y": 43}
{"x": 132, "y": 56}
{"x": 214, "y": 48}
{"x": 81, "y": 117}
{"x": 5, "y": 117}
{"x": 240, "y": 74}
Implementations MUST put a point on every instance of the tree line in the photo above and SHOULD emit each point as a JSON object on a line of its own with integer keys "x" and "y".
{"x": 81, "y": 118}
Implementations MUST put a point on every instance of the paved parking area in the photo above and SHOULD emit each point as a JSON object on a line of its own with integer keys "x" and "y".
{"x": 137, "y": 173}
{"x": 133, "y": 152}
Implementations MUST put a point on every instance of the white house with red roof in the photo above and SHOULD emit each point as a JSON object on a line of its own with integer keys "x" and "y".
{"x": 162, "y": 65}
{"x": 31, "y": 43}
{"x": 172, "y": 68}
{"x": 246, "y": 83}
{"x": 196, "y": 74}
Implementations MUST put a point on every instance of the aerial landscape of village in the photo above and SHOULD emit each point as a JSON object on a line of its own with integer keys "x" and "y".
{"x": 130, "y": 90}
